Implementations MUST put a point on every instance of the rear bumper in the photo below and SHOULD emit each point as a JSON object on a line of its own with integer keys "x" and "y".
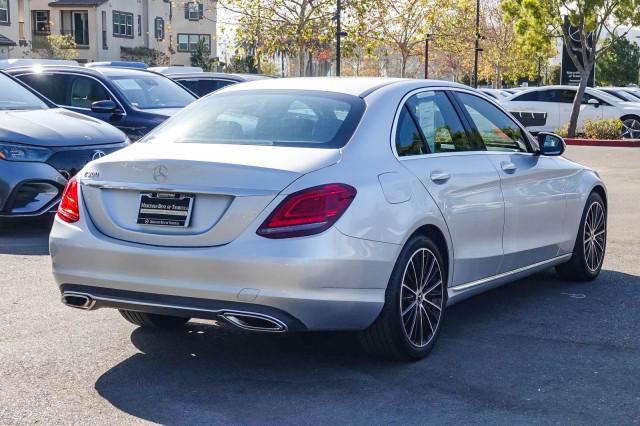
{"x": 325, "y": 282}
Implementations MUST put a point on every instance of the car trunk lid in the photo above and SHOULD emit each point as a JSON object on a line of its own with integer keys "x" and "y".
{"x": 230, "y": 185}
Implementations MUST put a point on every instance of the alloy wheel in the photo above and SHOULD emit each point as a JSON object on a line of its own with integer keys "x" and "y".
{"x": 421, "y": 297}
{"x": 631, "y": 128}
{"x": 594, "y": 236}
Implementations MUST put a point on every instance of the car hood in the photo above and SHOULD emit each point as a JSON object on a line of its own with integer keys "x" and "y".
{"x": 55, "y": 127}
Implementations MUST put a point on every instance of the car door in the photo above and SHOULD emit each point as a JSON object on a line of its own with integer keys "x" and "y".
{"x": 432, "y": 142}
{"x": 534, "y": 187}
{"x": 587, "y": 111}
{"x": 75, "y": 92}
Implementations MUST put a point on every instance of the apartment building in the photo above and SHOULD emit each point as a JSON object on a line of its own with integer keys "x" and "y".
{"x": 101, "y": 27}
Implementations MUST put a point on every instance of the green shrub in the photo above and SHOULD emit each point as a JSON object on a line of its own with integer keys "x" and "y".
{"x": 563, "y": 131}
{"x": 608, "y": 128}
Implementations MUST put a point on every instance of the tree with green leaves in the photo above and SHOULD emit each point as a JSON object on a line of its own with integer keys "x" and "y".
{"x": 620, "y": 65}
{"x": 60, "y": 46}
{"x": 537, "y": 21}
{"x": 283, "y": 25}
{"x": 200, "y": 57}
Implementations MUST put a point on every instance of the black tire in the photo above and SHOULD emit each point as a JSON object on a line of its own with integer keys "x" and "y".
{"x": 146, "y": 320}
{"x": 388, "y": 337}
{"x": 578, "y": 267}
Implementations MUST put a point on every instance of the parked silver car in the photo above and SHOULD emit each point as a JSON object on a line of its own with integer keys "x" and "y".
{"x": 326, "y": 204}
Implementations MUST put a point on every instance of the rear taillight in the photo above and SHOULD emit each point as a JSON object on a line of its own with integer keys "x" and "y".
{"x": 308, "y": 212}
{"x": 68, "y": 209}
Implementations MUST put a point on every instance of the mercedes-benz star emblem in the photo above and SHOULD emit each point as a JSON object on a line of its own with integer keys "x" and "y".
{"x": 97, "y": 154}
{"x": 160, "y": 173}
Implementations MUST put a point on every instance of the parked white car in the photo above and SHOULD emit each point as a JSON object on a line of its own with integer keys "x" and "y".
{"x": 557, "y": 102}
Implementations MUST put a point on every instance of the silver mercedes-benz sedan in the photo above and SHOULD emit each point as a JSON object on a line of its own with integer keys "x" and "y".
{"x": 326, "y": 204}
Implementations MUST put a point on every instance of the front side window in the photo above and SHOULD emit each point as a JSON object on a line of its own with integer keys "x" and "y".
{"x": 4, "y": 11}
{"x": 297, "y": 118}
{"x": 122, "y": 24}
{"x": 14, "y": 96}
{"x": 152, "y": 91}
{"x": 497, "y": 131}
{"x": 566, "y": 96}
{"x": 189, "y": 42}
{"x": 83, "y": 91}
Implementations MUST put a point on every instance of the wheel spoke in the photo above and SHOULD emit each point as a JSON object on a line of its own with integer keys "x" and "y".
{"x": 404, "y": 312}
{"x": 433, "y": 304}
{"x": 428, "y": 319}
{"x": 421, "y": 304}
{"x": 409, "y": 288}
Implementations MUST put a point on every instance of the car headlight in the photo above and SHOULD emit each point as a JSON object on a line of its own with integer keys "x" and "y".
{"x": 17, "y": 152}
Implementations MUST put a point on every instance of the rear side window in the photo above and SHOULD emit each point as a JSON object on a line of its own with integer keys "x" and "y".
{"x": 297, "y": 118}
{"x": 408, "y": 138}
{"x": 51, "y": 86}
{"x": 496, "y": 129}
{"x": 440, "y": 125}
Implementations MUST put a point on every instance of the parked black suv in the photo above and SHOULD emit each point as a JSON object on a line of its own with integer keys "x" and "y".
{"x": 133, "y": 100}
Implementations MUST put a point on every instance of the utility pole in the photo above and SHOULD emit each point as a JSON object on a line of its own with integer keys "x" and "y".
{"x": 426, "y": 56}
{"x": 338, "y": 35}
{"x": 477, "y": 49}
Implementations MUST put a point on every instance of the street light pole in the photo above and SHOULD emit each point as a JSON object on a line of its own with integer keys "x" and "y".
{"x": 477, "y": 49}
{"x": 338, "y": 35}
{"x": 426, "y": 56}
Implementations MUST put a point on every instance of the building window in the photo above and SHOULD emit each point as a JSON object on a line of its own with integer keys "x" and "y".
{"x": 139, "y": 25}
{"x": 122, "y": 24}
{"x": 189, "y": 42}
{"x": 4, "y": 12}
{"x": 104, "y": 30}
{"x": 76, "y": 23}
{"x": 159, "y": 29}
{"x": 193, "y": 11}
{"x": 41, "y": 22}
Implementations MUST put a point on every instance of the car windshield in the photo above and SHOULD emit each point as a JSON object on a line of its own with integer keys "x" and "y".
{"x": 152, "y": 91}
{"x": 15, "y": 96}
{"x": 266, "y": 117}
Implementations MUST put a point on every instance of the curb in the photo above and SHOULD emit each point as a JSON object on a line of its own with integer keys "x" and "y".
{"x": 624, "y": 143}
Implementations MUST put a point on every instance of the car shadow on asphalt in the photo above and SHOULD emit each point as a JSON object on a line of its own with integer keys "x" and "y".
{"x": 27, "y": 237}
{"x": 491, "y": 346}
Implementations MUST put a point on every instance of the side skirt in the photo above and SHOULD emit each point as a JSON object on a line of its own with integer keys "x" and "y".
{"x": 464, "y": 291}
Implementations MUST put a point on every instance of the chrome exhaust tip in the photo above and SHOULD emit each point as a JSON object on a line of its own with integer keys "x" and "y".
{"x": 254, "y": 322}
{"x": 78, "y": 300}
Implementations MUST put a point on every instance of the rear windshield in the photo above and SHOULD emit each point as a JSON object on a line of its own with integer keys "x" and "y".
{"x": 266, "y": 117}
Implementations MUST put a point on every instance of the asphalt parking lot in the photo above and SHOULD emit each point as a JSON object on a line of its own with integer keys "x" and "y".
{"x": 538, "y": 351}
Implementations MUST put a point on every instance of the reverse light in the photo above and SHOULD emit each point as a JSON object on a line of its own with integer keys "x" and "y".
{"x": 308, "y": 212}
{"x": 68, "y": 209}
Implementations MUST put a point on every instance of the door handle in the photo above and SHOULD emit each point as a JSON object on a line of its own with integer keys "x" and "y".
{"x": 508, "y": 167}
{"x": 438, "y": 176}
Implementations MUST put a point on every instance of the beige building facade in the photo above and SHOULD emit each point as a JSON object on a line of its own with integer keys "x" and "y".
{"x": 101, "y": 28}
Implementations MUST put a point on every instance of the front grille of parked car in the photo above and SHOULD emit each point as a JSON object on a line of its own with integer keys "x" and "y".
{"x": 69, "y": 161}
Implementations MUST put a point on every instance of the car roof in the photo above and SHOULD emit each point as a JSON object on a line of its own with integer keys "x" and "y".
{"x": 93, "y": 71}
{"x": 356, "y": 86}
{"x": 220, "y": 75}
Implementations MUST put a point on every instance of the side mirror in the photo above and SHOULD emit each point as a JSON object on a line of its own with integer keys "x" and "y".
{"x": 550, "y": 144}
{"x": 107, "y": 106}
{"x": 594, "y": 102}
